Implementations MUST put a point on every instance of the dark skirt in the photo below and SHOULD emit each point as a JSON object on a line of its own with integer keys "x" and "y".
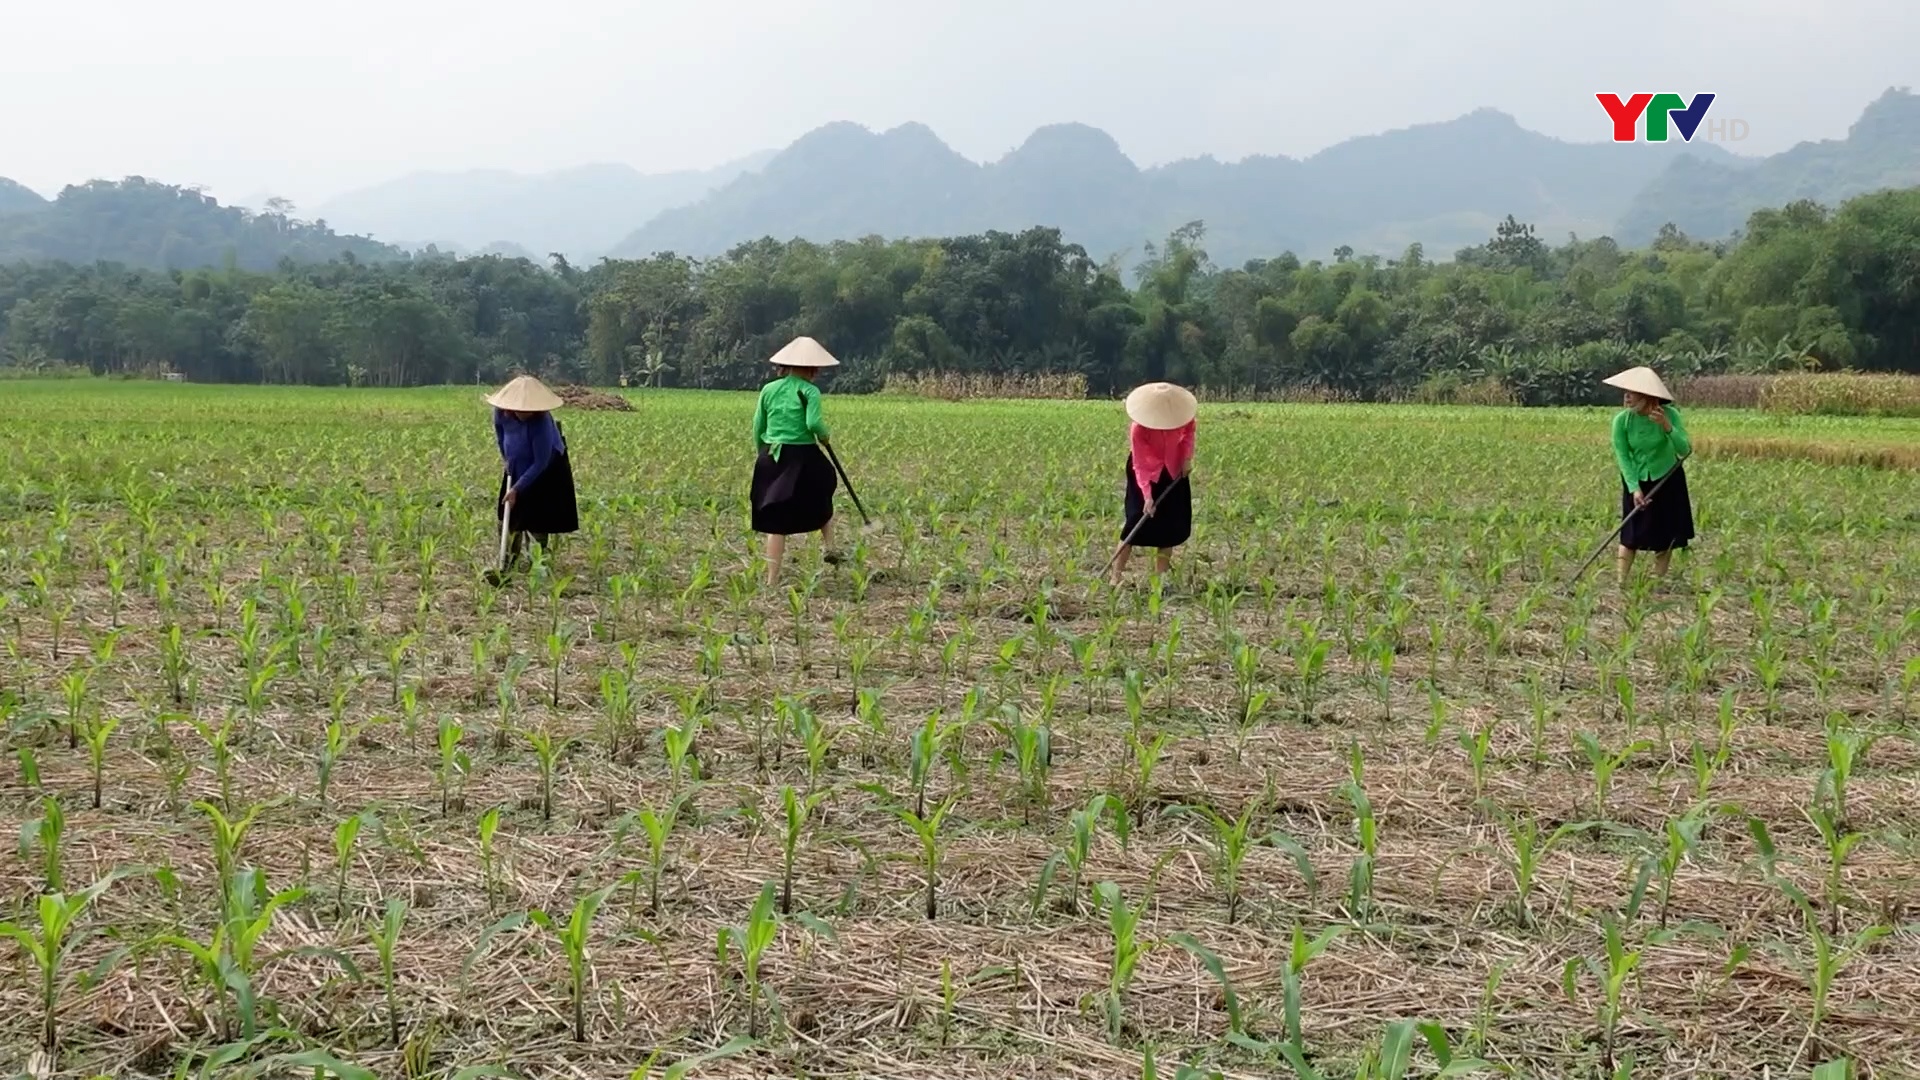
{"x": 793, "y": 495}
{"x": 1666, "y": 523}
{"x": 548, "y": 505}
{"x": 1172, "y": 520}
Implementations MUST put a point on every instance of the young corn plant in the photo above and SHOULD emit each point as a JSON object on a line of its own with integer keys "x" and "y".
{"x": 1477, "y": 744}
{"x": 1845, "y": 752}
{"x": 546, "y": 751}
{"x": 344, "y": 835}
{"x": 1840, "y": 844}
{"x": 228, "y": 836}
{"x": 489, "y": 828}
{"x": 1524, "y": 862}
{"x": 752, "y": 941}
{"x": 453, "y": 766}
{"x": 928, "y": 830}
{"x": 1082, "y": 825}
{"x": 572, "y": 935}
{"x": 49, "y": 942}
{"x": 1360, "y": 877}
{"x": 1123, "y": 924}
{"x": 797, "y": 810}
{"x": 1032, "y": 746}
{"x": 1250, "y": 700}
{"x": 46, "y": 833}
{"x": 1231, "y": 840}
{"x": 1604, "y": 764}
{"x": 386, "y": 942}
{"x": 1681, "y": 838}
{"x": 1612, "y": 974}
{"x": 1304, "y": 951}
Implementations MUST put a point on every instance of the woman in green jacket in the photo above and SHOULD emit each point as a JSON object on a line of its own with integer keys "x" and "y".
{"x": 1649, "y": 444}
{"x": 793, "y": 482}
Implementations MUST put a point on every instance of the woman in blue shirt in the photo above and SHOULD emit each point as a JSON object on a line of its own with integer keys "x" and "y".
{"x": 537, "y": 486}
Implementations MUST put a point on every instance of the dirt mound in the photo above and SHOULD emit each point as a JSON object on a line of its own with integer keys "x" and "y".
{"x": 591, "y": 400}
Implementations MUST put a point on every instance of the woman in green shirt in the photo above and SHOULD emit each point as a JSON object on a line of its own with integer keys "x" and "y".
{"x": 793, "y": 482}
{"x": 1649, "y": 442}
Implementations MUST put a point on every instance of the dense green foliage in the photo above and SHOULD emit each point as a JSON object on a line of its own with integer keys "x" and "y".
{"x": 1805, "y": 287}
{"x": 145, "y": 223}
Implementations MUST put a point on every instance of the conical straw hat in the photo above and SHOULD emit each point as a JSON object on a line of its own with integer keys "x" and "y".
{"x": 525, "y": 394}
{"x": 1162, "y": 406}
{"x": 804, "y": 352}
{"x": 1641, "y": 380}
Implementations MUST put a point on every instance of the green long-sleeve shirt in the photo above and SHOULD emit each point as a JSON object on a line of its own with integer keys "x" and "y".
{"x": 1645, "y": 452}
{"x": 788, "y": 415}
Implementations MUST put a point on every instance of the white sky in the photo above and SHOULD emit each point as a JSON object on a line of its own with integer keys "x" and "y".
{"x": 309, "y": 98}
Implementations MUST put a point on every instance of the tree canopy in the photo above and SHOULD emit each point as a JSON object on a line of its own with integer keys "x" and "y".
{"x": 1805, "y": 286}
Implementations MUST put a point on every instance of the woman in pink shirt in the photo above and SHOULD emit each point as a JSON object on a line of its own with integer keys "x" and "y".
{"x": 1160, "y": 455}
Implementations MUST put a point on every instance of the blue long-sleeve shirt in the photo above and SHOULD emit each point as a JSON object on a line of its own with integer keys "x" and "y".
{"x": 527, "y": 446}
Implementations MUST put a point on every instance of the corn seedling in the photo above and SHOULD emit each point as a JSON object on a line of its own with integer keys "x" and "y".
{"x": 49, "y": 942}
{"x": 1032, "y": 746}
{"x": 1123, "y": 924}
{"x": 928, "y": 830}
{"x": 386, "y": 941}
{"x": 46, "y": 834}
{"x": 1302, "y": 952}
{"x": 453, "y": 766}
{"x": 1604, "y": 764}
{"x": 572, "y": 934}
{"x": 546, "y": 752}
{"x": 797, "y": 810}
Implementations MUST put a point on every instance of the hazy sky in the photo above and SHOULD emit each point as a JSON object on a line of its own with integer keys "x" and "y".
{"x": 309, "y": 98}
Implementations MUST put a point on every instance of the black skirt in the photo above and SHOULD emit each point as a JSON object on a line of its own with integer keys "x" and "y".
{"x": 1172, "y": 521}
{"x": 547, "y": 506}
{"x": 793, "y": 495}
{"x": 1666, "y": 523}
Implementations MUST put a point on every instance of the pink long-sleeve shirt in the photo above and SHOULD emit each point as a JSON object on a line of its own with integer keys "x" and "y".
{"x": 1155, "y": 449}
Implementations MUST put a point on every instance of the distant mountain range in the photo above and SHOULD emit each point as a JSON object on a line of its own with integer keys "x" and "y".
{"x": 578, "y": 212}
{"x": 1444, "y": 185}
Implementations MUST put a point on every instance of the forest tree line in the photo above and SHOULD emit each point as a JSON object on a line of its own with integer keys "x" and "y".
{"x": 1802, "y": 287}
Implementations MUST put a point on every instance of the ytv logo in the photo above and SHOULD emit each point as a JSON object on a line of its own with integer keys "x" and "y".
{"x": 1662, "y": 110}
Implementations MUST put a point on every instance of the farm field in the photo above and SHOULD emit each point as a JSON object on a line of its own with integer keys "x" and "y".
{"x": 953, "y": 808}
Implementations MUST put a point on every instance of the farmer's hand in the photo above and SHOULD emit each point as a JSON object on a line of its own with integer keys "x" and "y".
{"x": 1149, "y": 507}
{"x": 1640, "y": 500}
{"x": 1659, "y": 416}
{"x": 513, "y": 496}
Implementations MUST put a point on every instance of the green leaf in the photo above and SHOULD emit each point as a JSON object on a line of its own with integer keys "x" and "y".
{"x": 1396, "y": 1049}
{"x": 510, "y": 922}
